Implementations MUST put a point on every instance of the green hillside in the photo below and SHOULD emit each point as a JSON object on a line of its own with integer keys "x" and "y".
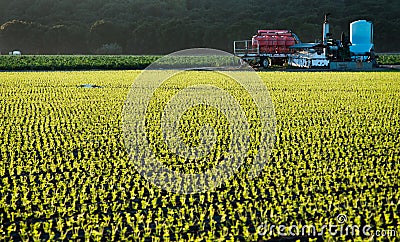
{"x": 162, "y": 26}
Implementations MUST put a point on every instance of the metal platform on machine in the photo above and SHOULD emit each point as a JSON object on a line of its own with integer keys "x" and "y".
{"x": 348, "y": 66}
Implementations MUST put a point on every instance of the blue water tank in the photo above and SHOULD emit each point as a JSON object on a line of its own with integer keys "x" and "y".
{"x": 361, "y": 37}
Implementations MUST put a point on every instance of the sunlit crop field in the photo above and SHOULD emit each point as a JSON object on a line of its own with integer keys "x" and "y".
{"x": 65, "y": 172}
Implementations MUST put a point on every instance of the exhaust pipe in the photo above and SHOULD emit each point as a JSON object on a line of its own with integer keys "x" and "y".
{"x": 326, "y": 29}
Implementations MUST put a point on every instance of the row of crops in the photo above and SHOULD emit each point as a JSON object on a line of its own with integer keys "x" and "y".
{"x": 389, "y": 59}
{"x": 78, "y": 62}
{"x": 65, "y": 173}
{"x": 10, "y": 63}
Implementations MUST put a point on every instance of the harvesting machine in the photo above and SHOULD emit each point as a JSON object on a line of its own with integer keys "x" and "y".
{"x": 282, "y": 46}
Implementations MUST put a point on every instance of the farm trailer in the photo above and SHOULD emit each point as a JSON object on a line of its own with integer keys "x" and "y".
{"x": 266, "y": 48}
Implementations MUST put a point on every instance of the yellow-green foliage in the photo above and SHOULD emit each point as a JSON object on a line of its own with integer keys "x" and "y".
{"x": 65, "y": 174}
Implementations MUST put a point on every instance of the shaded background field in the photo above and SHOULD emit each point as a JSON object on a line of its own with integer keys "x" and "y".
{"x": 70, "y": 62}
{"x": 103, "y": 62}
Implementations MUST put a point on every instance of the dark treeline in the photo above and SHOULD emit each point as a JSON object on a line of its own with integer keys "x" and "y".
{"x": 163, "y": 26}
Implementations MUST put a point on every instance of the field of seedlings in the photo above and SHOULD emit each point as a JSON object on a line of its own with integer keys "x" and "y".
{"x": 65, "y": 173}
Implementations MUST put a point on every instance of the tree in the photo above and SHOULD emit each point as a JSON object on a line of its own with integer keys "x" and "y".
{"x": 66, "y": 39}
{"x": 105, "y": 32}
{"x": 109, "y": 49}
{"x": 21, "y": 35}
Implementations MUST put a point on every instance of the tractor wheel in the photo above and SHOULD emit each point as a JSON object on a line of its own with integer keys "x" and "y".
{"x": 265, "y": 62}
